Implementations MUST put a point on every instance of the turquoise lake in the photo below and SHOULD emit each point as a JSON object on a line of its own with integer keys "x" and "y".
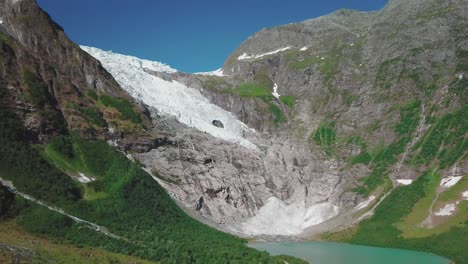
{"x": 339, "y": 253}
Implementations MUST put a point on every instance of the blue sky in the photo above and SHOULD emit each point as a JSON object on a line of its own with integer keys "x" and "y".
{"x": 189, "y": 35}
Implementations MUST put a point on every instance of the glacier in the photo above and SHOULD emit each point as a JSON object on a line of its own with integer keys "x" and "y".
{"x": 279, "y": 218}
{"x": 173, "y": 98}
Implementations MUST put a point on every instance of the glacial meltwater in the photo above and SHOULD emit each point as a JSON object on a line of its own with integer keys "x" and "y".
{"x": 339, "y": 253}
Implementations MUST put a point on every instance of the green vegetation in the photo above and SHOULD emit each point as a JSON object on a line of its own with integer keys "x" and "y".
{"x": 22, "y": 164}
{"x": 325, "y": 137}
{"x": 253, "y": 90}
{"x": 250, "y": 90}
{"x": 4, "y": 38}
{"x": 123, "y": 106}
{"x": 134, "y": 205}
{"x": 92, "y": 94}
{"x": 278, "y": 115}
{"x": 327, "y": 65}
{"x": 445, "y": 140}
{"x": 459, "y": 88}
{"x": 288, "y": 100}
{"x": 49, "y": 251}
{"x": 381, "y": 230}
{"x": 462, "y": 60}
{"x": 348, "y": 97}
{"x": 137, "y": 208}
{"x": 93, "y": 115}
{"x": 383, "y": 159}
{"x": 363, "y": 157}
{"x": 409, "y": 117}
{"x": 63, "y": 146}
{"x": 37, "y": 92}
{"x": 410, "y": 224}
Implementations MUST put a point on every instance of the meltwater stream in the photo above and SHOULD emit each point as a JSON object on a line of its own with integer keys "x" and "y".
{"x": 340, "y": 253}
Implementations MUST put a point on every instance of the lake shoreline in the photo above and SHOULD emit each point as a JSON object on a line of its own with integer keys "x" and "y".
{"x": 339, "y": 253}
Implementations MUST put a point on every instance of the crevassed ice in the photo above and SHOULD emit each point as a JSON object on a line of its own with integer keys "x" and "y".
{"x": 278, "y": 218}
{"x": 128, "y": 61}
{"x": 188, "y": 105}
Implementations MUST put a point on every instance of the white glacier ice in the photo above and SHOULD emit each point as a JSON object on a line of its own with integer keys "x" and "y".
{"x": 188, "y": 105}
{"x": 278, "y": 218}
{"x": 246, "y": 56}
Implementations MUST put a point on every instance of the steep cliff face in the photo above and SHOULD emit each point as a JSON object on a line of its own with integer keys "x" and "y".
{"x": 54, "y": 84}
{"x": 336, "y": 107}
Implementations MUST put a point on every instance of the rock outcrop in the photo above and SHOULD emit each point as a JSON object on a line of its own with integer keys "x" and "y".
{"x": 317, "y": 94}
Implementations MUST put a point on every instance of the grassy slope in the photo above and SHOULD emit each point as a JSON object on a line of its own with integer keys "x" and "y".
{"x": 381, "y": 230}
{"x": 49, "y": 251}
{"x": 396, "y": 220}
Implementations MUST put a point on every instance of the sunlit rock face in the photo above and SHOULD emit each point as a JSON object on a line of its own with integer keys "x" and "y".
{"x": 265, "y": 171}
{"x": 245, "y": 177}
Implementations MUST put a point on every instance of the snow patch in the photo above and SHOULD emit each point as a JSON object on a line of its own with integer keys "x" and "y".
{"x": 365, "y": 203}
{"x": 1, "y": 22}
{"x": 448, "y": 209}
{"x": 218, "y": 72}
{"x": 275, "y": 91}
{"x": 460, "y": 76}
{"x": 465, "y": 195}
{"x": 405, "y": 181}
{"x": 246, "y": 56}
{"x": 450, "y": 181}
{"x": 304, "y": 48}
{"x": 188, "y": 105}
{"x": 278, "y": 218}
{"x": 84, "y": 179}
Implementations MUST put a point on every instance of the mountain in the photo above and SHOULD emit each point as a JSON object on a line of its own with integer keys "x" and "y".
{"x": 348, "y": 114}
{"x": 348, "y": 127}
{"x": 66, "y": 194}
